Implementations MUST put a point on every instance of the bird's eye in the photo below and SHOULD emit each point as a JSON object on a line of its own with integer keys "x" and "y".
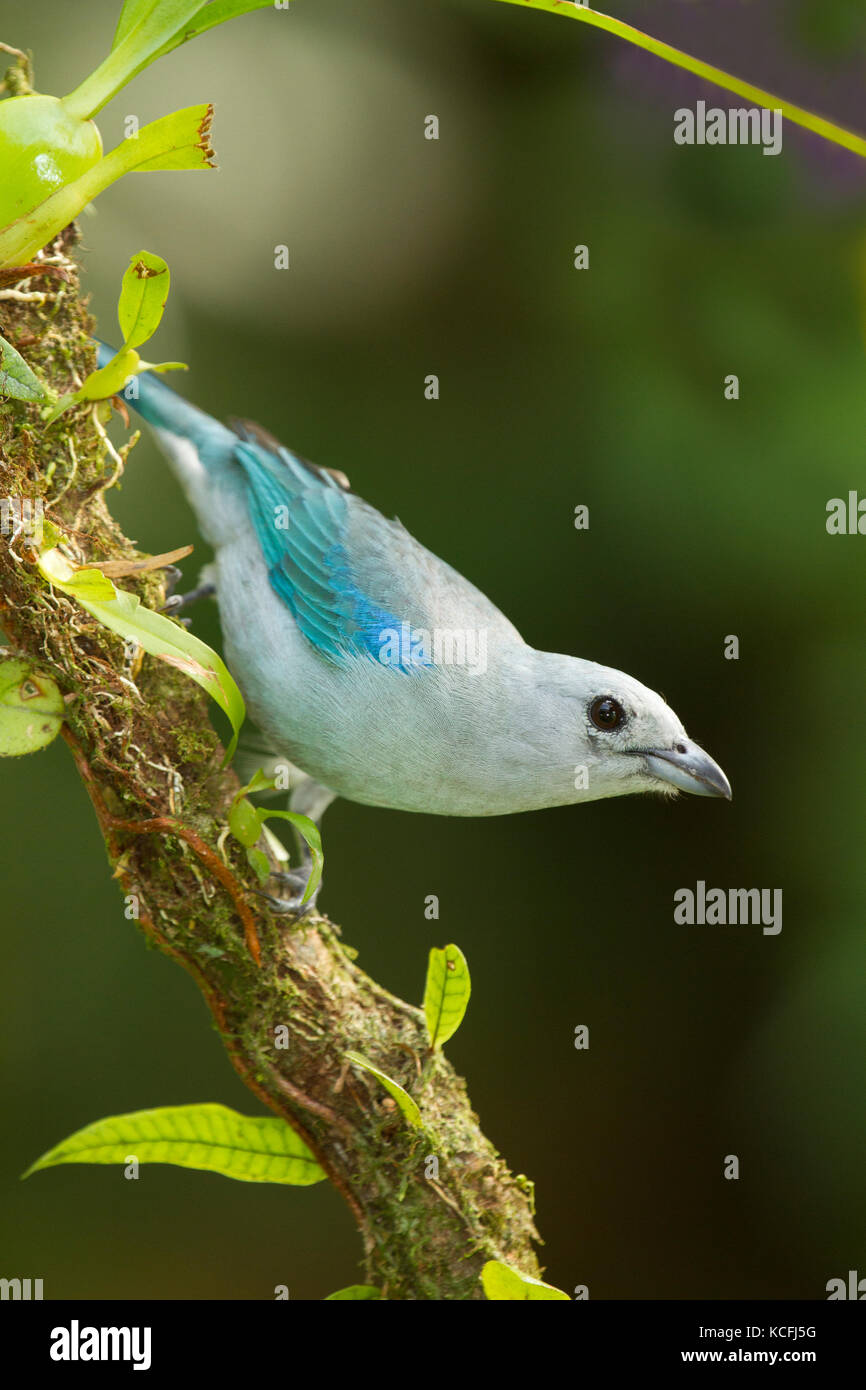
{"x": 607, "y": 713}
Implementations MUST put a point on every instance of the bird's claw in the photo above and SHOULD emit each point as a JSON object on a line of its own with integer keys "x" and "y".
{"x": 298, "y": 880}
{"x": 175, "y": 602}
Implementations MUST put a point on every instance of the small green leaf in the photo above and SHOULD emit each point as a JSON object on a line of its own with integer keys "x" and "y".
{"x": 501, "y": 1282}
{"x": 404, "y": 1100}
{"x": 162, "y": 366}
{"x": 109, "y": 380}
{"x": 99, "y": 385}
{"x": 180, "y": 141}
{"x": 244, "y": 821}
{"x": 212, "y": 1138}
{"x": 158, "y": 635}
{"x": 355, "y": 1291}
{"x": 89, "y": 586}
{"x": 16, "y": 378}
{"x": 310, "y": 833}
{"x": 61, "y": 405}
{"x": 446, "y": 993}
{"x": 260, "y": 864}
{"x": 143, "y": 296}
{"x": 31, "y": 709}
{"x": 259, "y": 782}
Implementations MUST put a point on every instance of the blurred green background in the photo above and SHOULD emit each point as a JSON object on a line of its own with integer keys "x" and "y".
{"x": 707, "y": 518}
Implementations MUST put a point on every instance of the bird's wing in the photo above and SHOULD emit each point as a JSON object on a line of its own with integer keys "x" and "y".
{"x": 348, "y": 574}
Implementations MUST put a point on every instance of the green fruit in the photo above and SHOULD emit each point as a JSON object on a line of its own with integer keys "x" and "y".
{"x": 31, "y": 709}
{"x": 42, "y": 148}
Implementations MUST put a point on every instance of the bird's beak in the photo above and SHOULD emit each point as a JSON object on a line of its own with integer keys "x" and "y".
{"x": 688, "y": 767}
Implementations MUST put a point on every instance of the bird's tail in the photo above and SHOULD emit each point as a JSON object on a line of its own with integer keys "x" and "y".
{"x": 162, "y": 407}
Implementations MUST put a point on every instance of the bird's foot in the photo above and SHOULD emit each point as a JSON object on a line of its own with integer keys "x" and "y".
{"x": 176, "y": 602}
{"x": 296, "y": 880}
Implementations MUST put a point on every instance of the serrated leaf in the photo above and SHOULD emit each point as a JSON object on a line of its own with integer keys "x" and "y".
{"x": 212, "y": 1138}
{"x": 354, "y": 1292}
{"x": 404, "y": 1100}
{"x": 31, "y": 709}
{"x": 158, "y": 635}
{"x": 501, "y": 1282}
{"x": 180, "y": 140}
{"x": 16, "y": 378}
{"x": 143, "y": 295}
{"x": 446, "y": 993}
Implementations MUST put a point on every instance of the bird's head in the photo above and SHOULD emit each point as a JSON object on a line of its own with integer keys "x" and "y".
{"x": 634, "y": 742}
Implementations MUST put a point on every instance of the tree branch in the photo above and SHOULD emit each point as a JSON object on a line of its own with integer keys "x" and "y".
{"x": 140, "y": 737}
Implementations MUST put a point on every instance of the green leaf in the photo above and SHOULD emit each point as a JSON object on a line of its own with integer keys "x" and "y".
{"x": 131, "y": 14}
{"x": 215, "y": 13}
{"x": 143, "y": 296}
{"x": 124, "y": 614}
{"x": 446, "y": 993}
{"x": 151, "y": 27}
{"x": 355, "y": 1291}
{"x": 310, "y": 833}
{"x": 16, "y": 378}
{"x": 162, "y": 366}
{"x": 212, "y": 1138}
{"x": 90, "y": 586}
{"x": 109, "y": 380}
{"x": 244, "y": 822}
{"x": 404, "y": 1100}
{"x": 178, "y": 141}
{"x": 31, "y": 709}
{"x": 260, "y": 864}
{"x": 259, "y": 782}
{"x": 61, "y": 405}
{"x": 500, "y": 1281}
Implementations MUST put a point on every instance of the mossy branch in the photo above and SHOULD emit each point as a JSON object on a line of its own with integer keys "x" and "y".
{"x": 139, "y": 735}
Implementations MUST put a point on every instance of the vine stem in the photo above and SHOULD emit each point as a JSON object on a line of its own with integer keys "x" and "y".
{"x": 819, "y": 125}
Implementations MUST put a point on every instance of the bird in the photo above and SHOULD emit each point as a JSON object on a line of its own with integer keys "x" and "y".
{"x": 375, "y": 669}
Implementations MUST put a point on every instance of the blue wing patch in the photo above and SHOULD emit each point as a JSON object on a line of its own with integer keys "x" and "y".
{"x": 301, "y": 515}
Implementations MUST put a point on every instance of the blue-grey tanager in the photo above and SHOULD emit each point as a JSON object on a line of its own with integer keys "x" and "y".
{"x": 378, "y": 670}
